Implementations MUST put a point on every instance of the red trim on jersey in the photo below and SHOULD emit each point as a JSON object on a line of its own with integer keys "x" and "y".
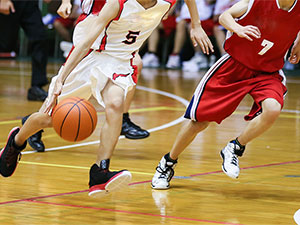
{"x": 135, "y": 69}
{"x": 133, "y": 75}
{"x": 121, "y": 3}
{"x": 172, "y": 2}
{"x": 97, "y": 6}
{"x": 72, "y": 51}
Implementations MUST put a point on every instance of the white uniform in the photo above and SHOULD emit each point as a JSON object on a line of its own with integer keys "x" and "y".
{"x": 113, "y": 50}
{"x": 205, "y": 11}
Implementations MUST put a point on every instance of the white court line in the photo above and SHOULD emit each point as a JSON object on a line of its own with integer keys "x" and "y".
{"x": 172, "y": 123}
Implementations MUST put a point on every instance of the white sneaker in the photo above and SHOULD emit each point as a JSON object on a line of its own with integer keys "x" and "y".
{"x": 150, "y": 60}
{"x": 212, "y": 60}
{"x": 163, "y": 175}
{"x": 66, "y": 47}
{"x": 173, "y": 62}
{"x": 196, "y": 63}
{"x": 190, "y": 66}
{"x": 229, "y": 155}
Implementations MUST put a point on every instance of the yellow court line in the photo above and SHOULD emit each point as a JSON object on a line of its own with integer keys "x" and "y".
{"x": 72, "y": 167}
{"x": 160, "y": 108}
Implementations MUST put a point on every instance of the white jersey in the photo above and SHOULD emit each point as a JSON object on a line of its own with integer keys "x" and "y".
{"x": 205, "y": 11}
{"x": 125, "y": 34}
{"x": 222, "y": 5}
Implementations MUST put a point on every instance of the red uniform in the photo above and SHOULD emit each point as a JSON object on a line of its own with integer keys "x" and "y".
{"x": 249, "y": 67}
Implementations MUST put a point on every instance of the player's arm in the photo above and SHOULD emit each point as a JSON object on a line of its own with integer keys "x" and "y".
{"x": 227, "y": 20}
{"x": 197, "y": 34}
{"x": 295, "y": 53}
{"x": 97, "y": 23}
{"x": 65, "y": 8}
{"x": 6, "y": 7}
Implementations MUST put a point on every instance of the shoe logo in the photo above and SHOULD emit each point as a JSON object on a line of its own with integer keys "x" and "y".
{"x": 297, "y": 217}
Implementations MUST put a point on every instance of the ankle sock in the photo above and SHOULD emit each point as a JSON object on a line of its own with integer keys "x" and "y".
{"x": 104, "y": 164}
{"x": 168, "y": 158}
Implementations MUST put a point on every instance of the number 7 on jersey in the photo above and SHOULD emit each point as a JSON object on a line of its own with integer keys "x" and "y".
{"x": 267, "y": 45}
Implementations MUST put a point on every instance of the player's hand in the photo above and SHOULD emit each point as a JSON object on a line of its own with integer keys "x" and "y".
{"x": 248, "y": 32}
{"x": 52, "y": 99}
{"x": 295, "y": 52}
{"x": 6, "y": 7}
{"x": 199, "y": 36}
{"x": 64, "y": 10}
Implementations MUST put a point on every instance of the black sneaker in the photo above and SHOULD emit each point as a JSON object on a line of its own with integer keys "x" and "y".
{"x": 10, "y": 154}
{"x": 36, "y": 94}
{"x": 35, "y": 140}
{"x": 131, "y": 130}
{"x": 103, "y": 180}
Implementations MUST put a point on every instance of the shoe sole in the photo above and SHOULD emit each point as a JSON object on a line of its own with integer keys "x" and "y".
{"x": 135, "y": 137}
{"x": 223, "y": 168}
{"x": 116, "y": 183}
{"x": 159, "y": 188}
{"x": 2, "y": 150}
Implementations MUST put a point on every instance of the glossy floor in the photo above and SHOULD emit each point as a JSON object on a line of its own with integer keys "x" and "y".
{"x": 51, "y": 187}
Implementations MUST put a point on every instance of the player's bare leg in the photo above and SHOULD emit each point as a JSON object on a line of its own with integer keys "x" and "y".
{"x": 113, "y": 97}
{"x": 165, "y": 169}
{"x": 36, "y": 122}
{"x": 16, "y": 142}
{"x": 129, "y": 129}
{"x": 270, "y": 112}
{"x": 185, "y": 136}
{"x": 101, "y": 179}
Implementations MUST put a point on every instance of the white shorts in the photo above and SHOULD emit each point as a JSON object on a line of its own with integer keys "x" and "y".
{"x": 90, "y": 76}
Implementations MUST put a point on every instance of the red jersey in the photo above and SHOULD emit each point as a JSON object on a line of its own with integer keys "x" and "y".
{"x": 279, "y": 29}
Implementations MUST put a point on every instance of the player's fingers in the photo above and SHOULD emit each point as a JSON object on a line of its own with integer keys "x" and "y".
{"x": 256, "y": 29}
{"x": 209, "y": 45}
{"x": 69, "y": 11}
{"x": 247, "y": 37}
{"x": 203, "y": 47}
{"x": 12, "y": 8}
{"x": 194, "y": 41}
{"x": 254, "y": 32}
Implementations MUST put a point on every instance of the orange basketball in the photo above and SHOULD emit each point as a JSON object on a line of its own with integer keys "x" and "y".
{"x": 74, "y": 119}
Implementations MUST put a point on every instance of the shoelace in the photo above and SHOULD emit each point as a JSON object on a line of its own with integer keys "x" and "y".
{"x": 165, "y": 173}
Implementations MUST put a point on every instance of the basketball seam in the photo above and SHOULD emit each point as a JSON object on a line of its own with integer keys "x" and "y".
{"x": 90, "y": 116}
{"x": 78, "y": 127}
{"x": 62, "y": 124}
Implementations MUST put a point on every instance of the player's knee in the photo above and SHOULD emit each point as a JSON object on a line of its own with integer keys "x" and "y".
{"x": 199, "y": 126}
{"x": 271, "y": 110}
{"x": 43, "y": 119}
{"x": 115, "y": 105}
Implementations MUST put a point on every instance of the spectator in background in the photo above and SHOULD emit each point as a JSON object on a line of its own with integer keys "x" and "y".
{"x": 26, "y": 14}
{"x": 218, "y": 30}
{"x": 164, "y": 30}
{"x": 205, "y": 10}
{"x": 65, "y": 27}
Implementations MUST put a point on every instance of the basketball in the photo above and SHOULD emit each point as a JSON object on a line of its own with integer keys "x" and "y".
{"x": 74, "y": 119}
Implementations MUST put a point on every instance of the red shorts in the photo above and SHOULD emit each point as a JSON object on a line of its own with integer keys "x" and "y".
{"x": 169, "y": 25}
{"x": 207, "y": 26}
{"x": 67, "y": 23}
{"x": 225, "y": 85}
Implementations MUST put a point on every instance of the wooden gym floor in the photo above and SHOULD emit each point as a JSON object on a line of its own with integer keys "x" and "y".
{"x": 51, "y": 187}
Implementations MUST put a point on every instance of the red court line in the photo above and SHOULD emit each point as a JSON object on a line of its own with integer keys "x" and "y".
{"x": 131, "y": 212}
{"x": 249, "y": 167}
{"x": 147, "y": 181}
